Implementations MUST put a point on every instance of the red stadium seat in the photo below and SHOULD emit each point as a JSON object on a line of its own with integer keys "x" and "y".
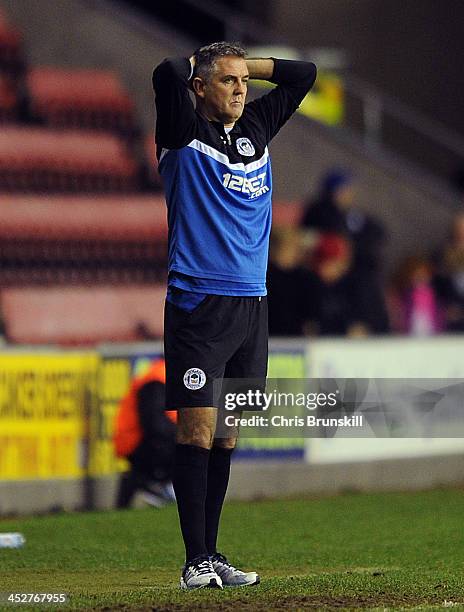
{"x": 71, "y": 239}
{"x": 79, "y": 98}
{"x": 81, "y": 315}
{"x": 51, "y": 160}
{"x": 68, "y": 217}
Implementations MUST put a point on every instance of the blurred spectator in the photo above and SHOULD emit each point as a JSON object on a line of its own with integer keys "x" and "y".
{"x": 336, "y": 306}
{"x": 328, "y": 211}
{"x": 450, "y": 278}
{"x": 145, "y": 436}
{"x": 333, "y": 210}
{"x": 415, "y": 306}
{"x": 288, "y": 283}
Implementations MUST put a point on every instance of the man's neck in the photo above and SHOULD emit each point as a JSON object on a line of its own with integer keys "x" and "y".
{"x": 208, "y": 117}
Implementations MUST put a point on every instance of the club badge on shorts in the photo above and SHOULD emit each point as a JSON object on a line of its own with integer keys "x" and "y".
{"x": 194, "y": 379}
{"x": 244, "y": 147}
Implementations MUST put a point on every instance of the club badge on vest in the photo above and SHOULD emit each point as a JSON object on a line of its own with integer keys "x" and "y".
{"x": 244, "y": 147}
{"x": 194, "y": 379}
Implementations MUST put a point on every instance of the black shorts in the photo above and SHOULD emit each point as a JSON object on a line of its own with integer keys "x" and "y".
{"x": 223, "y": 337}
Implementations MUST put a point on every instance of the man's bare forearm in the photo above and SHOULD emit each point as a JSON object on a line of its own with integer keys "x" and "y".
{"x": 260, "y": 68}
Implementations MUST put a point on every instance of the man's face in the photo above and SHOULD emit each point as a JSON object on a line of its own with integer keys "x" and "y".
{"x": 344, "y": 196}
{"x": 223, "y": 95}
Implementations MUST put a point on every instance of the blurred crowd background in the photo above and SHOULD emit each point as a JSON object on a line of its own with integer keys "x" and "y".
{"x": 327, "y": 276}
{"x": 368, "y": 235}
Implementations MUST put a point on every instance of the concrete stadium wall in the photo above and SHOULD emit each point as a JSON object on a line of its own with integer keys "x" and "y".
{"x": 38, "y": 496}
{"x": 262, "y": 480}
{"x": 252, "y": 481}
{"x": 410, "y": 49}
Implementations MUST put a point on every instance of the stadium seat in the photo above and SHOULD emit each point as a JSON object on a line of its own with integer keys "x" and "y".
{"x": 103, "y": 217}
{"x": 38, "y": 159}
{"x": 83, "y": 315}
{"x": 76, "y": 239}
{"x": 70, "y": 239}
{"x": 80, "y": 98}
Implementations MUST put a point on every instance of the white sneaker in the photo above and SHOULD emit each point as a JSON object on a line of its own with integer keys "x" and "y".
{"x": 198, "y": 574}
{"x": 153, "y": 500}
{"x": 230, "y": 575}
{"x": 158, "y": 494}
{"x": 168, "y": 493}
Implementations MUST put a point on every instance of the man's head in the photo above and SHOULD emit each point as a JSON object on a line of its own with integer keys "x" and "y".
{"x": 220, "y": 81}
{"x": 338, "y": 186}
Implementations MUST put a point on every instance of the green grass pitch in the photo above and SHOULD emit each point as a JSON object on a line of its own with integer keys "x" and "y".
{"x": 353, "y": 551}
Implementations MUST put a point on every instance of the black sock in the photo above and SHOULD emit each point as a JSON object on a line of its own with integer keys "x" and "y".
{"x": 190, "y": 478}
{"x": 218, "y": 479}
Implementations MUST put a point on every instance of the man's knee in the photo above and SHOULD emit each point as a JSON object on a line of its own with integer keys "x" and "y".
{"x": 228, "y": 443}
{"x": 196, "y": 426}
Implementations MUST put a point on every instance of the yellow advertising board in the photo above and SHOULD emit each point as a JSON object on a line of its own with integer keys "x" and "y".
{"x": 114, "y": 377}
{"x": 281, "y": 364}
{"x": 57, "y": 411}
{"x": 45, "y": 404}
{"x": 325, "y": 103}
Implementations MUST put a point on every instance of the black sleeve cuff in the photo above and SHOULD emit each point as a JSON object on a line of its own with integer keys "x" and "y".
{"x": 293, "y": 72}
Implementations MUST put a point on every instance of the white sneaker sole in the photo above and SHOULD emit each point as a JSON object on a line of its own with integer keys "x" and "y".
{"x": 244, "y": 584}
{"x": 212, "y": 584}
{"x": 153, "y": 500}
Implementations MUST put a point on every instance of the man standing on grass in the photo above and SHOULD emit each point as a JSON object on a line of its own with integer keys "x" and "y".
{"x": 217, "y": 176}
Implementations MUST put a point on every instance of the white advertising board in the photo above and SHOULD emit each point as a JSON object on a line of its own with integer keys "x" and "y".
{"x": 438, "y": 357}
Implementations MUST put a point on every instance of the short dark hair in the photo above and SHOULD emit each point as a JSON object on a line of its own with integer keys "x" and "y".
{"x": 205, "y": 57}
